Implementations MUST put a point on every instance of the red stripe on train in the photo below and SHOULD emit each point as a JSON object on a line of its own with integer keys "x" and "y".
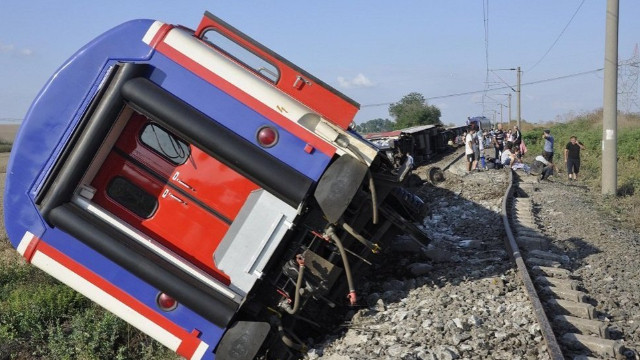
{"x": 189, "y": 342}
{"x": 247, "y": 99}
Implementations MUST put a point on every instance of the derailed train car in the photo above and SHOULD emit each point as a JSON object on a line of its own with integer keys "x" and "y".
{"x": 202, "y": 188}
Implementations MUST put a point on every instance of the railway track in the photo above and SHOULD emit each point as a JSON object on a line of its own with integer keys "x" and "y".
{"x": 568, "y": 320}
{"x": 465, "y": 299}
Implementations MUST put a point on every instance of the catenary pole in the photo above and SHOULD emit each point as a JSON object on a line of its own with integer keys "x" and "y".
{"x": 610, "y": 106}
{"x": 519, "y": 72}
{"x": 509, "y": 122}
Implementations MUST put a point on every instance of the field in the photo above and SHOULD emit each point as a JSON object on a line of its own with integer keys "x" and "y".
{"x": 588, "y": 128}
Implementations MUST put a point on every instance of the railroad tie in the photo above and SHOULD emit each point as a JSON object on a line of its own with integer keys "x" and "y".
{"x": 533, "y": 261}
{"x": 603, "y": 347}
{"x": 552, "y": 272}
{"x": 532, "y": 242}
{"x": 558, "y": 283}
{"x": 581, "y": 310}
{"x": 564, "y": 294}
{"x": 549, "y": 256}
{"x": 583, "y": 326}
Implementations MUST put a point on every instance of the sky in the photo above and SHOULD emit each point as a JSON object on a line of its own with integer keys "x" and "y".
{"x": 375, "y": 52}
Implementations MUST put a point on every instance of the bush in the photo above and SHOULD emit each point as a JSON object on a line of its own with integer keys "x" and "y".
{"x": 98, "y": 334}
{"x": 588, "y": 128}
{"x": 43, "y": 318}
{"x": 5, "y": 146}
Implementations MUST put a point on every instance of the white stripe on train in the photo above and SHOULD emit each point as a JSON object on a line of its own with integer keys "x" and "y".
{"x": 104, "y": 299}
{"x": 250, "y": 83}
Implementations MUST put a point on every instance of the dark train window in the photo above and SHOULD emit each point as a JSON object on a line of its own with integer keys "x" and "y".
{"x": 132, "y": 197}
{"x": 165, "y": 144}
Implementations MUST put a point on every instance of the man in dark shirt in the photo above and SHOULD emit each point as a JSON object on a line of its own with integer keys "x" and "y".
{"x": 498, "y": 141}
{"x": 572, "y": 157}
{"x": 517, "y": 136}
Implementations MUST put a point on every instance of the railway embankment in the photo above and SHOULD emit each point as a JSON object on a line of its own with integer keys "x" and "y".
{"x": 463, "y": 297}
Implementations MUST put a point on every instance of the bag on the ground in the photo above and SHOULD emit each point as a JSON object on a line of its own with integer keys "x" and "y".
{"x": 536, "y": 167}
{"x": 491, "y": 163}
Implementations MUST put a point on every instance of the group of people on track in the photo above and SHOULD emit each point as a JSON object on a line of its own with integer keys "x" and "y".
{"x": 509, "y": 150}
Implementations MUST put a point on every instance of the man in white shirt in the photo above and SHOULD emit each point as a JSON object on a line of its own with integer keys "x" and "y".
{"x": 468, "y": 149}
{"x": 542, "y": 167}
{"x": 507, "y": 156}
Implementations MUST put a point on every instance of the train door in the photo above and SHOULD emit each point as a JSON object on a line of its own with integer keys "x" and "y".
{"x": 171, "y": 191}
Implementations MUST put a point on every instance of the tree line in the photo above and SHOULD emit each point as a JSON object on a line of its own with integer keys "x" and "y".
{"x": 411, "y": 110}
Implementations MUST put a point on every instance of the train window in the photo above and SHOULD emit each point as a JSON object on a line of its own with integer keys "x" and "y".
{"x": 132, "y": 197}
{"x": 244, "y": 56}
{"x": 165, "y": 144}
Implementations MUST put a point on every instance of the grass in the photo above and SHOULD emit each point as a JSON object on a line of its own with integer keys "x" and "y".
{"x": 588, "y": 128}
{"x": 5, "y": 146}
{"x": 42, "y": 318}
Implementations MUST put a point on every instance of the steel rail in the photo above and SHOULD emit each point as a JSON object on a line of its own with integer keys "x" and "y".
{"x": 514, "y": 252}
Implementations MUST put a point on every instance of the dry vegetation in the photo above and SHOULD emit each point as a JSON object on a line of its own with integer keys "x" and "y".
{"x": 588, "y": 128}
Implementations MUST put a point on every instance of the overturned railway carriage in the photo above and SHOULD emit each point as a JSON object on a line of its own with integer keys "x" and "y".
{"x": 202, "y": 188}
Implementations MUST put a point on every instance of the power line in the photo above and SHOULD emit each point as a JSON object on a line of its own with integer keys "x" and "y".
{"x": 498, "y": 88}
{"x": 558, "y": 38}
{"x": 485, "y": 18}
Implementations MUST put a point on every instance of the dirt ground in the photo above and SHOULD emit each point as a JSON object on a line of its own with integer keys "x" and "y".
{"x": 7, "y": 253}
{"x": 8, "y": 132}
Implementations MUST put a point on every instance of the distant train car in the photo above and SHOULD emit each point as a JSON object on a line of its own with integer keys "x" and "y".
{"x": 480, "y": 123}
{"x": 201, "y": 187}
{"x": 423, "y": 142}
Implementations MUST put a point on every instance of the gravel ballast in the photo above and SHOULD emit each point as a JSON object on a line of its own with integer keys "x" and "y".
{"x": 462, "y": 298}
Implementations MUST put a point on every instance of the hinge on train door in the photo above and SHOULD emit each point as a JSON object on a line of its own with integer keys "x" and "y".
{"x": 86, "y": 191}
{"x": 301, "y": 82}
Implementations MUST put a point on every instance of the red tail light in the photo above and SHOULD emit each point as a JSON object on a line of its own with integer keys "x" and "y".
{"x": 267, "y": 136}
{"x": 166, "y": 302}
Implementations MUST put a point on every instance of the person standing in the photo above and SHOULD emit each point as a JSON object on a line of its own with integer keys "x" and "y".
{"x": 468, "y": 148}
{"x": 572, "y": 157}
{"x": 517, "y": 136}
{"x": 498, "y": 141}
{"x": 480, "y": 162}
{"x": 547, "y": 149}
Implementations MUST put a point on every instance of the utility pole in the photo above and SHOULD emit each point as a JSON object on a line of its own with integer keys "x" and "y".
{"x": 509, "y": 110}
{"x": 518, "y": 90}
{"x": 610, "y": 106}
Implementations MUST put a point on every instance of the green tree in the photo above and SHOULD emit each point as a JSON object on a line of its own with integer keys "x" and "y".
{"x": 375, "y": 126}
{"x": 413, "y": 110}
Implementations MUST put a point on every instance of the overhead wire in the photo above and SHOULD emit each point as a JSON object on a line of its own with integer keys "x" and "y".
{"x": 498, "y": 88}
{"x": 485, "y": 16}
{"x": 558, "y": 38}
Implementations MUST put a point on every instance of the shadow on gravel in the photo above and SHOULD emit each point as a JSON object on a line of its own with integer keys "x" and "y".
{"x": 463, "y": 220}
{"x": 465, "y": 262}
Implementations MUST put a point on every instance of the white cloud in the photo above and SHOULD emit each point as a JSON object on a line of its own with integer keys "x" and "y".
{"x": 475, "y": 98}
{"x": 6, "y": 49}
{"x": 10, "y": 49}
{"x": 359, "y": 81}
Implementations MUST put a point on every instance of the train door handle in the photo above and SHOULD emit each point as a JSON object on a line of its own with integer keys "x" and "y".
{"x": 169, "y": 194}
{"x": 300, "y": 82}
{"x": 176, "y": 179}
